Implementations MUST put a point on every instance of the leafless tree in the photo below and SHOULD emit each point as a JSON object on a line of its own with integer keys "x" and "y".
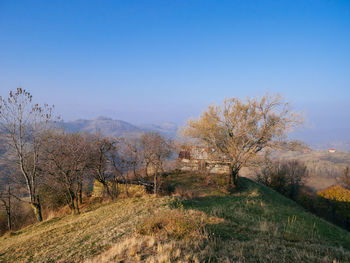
{"x": 122, "y": 163}
{"x": 156, "y": 149}
{"x": 130, "y": 149}
{"x": 67, "y": 160}
{"x": 113, "y": 160}
{"x": 23, "y": 122}
{"x": 102, "y": 150}
{"x": 238, "y": 130}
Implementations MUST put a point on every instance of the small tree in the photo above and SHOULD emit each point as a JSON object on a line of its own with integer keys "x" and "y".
{"x": 67, "y": 160}
{"x": 121, "y": 166}
{"x": 23, "y": 122}
{"x": 238, "y": 130}
{"x": 100, "y": 163}
{"x": 131, "y": 150}
{"x": 156, "y": 149}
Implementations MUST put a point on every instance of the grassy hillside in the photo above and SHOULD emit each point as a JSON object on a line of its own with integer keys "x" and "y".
{"x": 254, "y": 224}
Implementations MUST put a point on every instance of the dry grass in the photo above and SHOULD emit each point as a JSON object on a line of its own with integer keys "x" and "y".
{"x": 254, "y": 224}
{"x": 73, "y": 238}
{"x": 175, "y": 224}
{"x": 147, "y": 249}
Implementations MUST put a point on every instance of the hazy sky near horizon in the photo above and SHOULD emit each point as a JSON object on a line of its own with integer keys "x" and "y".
{"x": 154, "y": 61}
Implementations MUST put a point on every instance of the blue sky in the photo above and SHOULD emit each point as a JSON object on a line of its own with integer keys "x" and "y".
{"x": 154, "y": 61}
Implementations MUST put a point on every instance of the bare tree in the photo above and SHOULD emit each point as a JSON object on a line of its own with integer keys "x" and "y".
{"x": 100, "y": 163}
{"x": 121, "y": 168}
{"x": 130, "y": 148}
{"x": 238, "y": 130}
{"x": 67, "y": 159}
{"x": 113, "y": 160}
{"x": 156, "y": 150}
{"x": 23, "y": 122}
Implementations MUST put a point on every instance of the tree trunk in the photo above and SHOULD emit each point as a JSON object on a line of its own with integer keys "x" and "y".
{"x": 37, "y": 210}
{"x": 146, "y": 170}
{"x": 113, "y": 190}
{"x": 126, "y": 185}
{"x": 155, "y": 183}
{"x": 233, "y": 176}
{"x": 8, "y": 210}
{"x": 72, "y": 204}
{"x": 9, "y": 223}
{"x": 80, "y": 192}
{"x": 110, "y": 192}
{"x": 134, "y": 170}
{"x": 77, "y": 205}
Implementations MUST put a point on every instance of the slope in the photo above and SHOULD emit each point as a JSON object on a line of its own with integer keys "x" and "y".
{"x": 254, "y": 224}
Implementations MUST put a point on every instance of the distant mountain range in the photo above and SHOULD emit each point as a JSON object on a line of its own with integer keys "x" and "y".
{"x": 317, "y": 139}
{"x": 110, "y": 127}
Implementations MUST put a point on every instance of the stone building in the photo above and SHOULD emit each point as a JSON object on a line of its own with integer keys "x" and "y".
{"x": 201, "y": 159}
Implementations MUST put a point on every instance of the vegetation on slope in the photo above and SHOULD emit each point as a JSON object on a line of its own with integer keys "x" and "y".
{"x": 336, "y": 192}
{"x": 325, "y": 169}
{"x": 202, "y": 223}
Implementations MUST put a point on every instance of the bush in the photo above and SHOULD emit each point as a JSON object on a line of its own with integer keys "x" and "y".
{"x": 177, "y": 224}
{"x": 336, "y": 192}
{"x": 286, "y": 177}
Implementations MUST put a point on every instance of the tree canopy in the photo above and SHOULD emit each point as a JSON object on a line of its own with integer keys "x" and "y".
{"x": 237, "y": 130}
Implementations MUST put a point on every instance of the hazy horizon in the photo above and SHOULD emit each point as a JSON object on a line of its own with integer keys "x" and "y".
{"x": 167, "y": 61}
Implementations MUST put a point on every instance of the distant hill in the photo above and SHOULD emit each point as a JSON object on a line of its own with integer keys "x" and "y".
{"x": 110, "y": 127}
{"x": 106, "y": 126}
{"x": 323, "y": 139}
{"x": 166, "y": 128}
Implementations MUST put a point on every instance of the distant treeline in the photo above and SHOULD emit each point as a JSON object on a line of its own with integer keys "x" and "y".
{"x": 288, "y": 178}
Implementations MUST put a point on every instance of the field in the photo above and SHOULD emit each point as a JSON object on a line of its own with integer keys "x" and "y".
{"x": 201, "y": 222}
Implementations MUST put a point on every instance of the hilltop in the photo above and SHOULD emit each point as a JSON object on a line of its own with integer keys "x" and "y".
{"x": 114, "y": 128}
{"x": 202, "y": 222}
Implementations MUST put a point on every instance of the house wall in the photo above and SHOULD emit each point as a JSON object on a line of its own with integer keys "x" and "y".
{"x": 214, "y": 167}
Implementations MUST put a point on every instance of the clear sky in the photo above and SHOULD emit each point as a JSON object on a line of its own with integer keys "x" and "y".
{"x": 154, "y": 61}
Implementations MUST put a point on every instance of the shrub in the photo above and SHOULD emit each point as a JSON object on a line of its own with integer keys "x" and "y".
{"x": 286, "y": 177}
{"x": 177, "y": 224}
{"x": 336, "y": 192}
